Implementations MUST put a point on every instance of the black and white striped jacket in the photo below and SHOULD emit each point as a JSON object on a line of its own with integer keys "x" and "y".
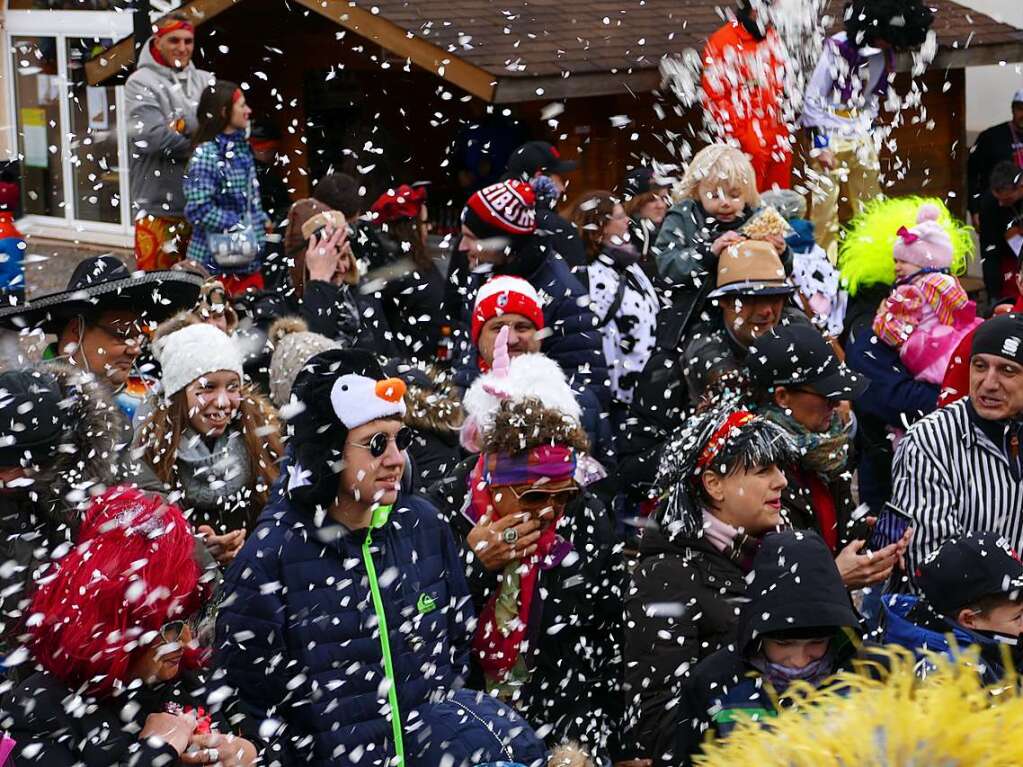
{"x": 951, "y": 479}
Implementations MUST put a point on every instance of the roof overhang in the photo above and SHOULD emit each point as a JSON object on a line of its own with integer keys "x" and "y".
{"x": 485, "y": 85}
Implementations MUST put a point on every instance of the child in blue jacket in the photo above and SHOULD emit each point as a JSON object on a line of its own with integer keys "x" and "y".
{"x": 971, "y": 594}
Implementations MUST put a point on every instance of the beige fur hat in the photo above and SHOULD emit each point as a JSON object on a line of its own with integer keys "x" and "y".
{"x": 293, "y": 345}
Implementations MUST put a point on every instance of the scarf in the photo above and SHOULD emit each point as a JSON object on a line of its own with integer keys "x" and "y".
{"x": 1007, "y": 436}
{"x": 854, "y": 59}
{"x": 215, "y": 481}
{"x": 739, "y": 547}
{"x": 826, "y": 453}
{"x": 509, "y": 618}
{"x": 781, "y": 677}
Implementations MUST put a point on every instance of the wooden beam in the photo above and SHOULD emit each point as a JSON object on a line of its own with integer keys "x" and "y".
{"x": 511, "y": 90}
{"x": 122, "y": 54}
{"x": 404, "y": 43}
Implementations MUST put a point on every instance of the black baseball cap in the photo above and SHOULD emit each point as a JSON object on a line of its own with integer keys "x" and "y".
{"x": 537, "y": 155}
{"x": 798, "y": 355}
{"x": 966, "y": 569}
{"x": 642, "y": 180}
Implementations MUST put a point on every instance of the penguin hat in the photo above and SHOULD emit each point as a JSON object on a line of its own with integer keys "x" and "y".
{"x": 336, "y": 391}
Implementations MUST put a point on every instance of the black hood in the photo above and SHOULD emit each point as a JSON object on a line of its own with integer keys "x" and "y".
{"x": 794, "y": 585}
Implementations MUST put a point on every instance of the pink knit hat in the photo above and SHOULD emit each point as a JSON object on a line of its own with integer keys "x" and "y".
{"x": 928, "y": 244}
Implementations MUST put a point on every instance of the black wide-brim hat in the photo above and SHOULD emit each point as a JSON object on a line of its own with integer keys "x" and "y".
{"x": 103, "y": 283}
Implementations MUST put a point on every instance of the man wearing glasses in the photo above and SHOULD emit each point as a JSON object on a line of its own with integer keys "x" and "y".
{"x": 101, "y": 318}
{"x": 346, "y": 621}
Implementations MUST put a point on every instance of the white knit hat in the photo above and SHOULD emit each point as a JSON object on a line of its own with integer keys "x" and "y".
{"x": 194, "y": 351}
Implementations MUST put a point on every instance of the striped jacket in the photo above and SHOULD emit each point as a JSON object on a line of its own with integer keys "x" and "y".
{"x": 951, "y": 479}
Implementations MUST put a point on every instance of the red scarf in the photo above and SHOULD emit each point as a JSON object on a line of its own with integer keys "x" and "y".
{"x": 496, "y": 652}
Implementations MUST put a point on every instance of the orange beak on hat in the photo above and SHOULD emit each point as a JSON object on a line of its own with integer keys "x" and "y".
{"x": 390, "y": 389}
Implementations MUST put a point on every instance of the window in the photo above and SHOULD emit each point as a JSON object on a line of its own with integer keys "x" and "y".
{"x": 95, "y": 167}
{"x": 37, "y": 112}
{"x": 70, "y": 137}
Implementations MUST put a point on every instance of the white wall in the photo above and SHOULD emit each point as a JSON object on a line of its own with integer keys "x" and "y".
{"x": 989, "y": 89}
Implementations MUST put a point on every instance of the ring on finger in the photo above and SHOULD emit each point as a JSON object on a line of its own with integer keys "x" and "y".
{"x": 212, "y": 755}
{"x": 510, "y": 535}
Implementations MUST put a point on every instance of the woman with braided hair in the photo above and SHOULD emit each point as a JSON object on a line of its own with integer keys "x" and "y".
{"x": 721, "y": 492}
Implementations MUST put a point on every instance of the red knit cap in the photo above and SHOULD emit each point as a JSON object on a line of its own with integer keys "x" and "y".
{"x": 506, "y": 295}
{"x": 394, "y": 204}
{"x": 508, "y": 208}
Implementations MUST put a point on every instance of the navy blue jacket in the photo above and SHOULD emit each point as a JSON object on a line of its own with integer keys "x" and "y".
{"x": 572, "y": 339}
{"x": 894, "y": 399}
{"x": 297, "y": 635}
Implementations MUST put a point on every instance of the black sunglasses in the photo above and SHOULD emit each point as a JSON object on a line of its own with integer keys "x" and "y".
{"x": 535, "y": 498}
{"x": 377, "y": 444}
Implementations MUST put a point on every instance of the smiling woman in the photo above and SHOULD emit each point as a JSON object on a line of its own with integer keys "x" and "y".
{"x": 212, "y": 438}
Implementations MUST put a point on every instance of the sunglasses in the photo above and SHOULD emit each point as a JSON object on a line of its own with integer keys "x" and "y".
{"x": 536, "y": 498}
{"x": 125, "y": 334}
{"x": 172, "y": 631}
{"x": 377, "y": 444}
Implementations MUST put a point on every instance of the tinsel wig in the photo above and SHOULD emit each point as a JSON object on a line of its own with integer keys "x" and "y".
{"x": 950, "y": 718}
{"x": 865, "y": 255}
{"x": 713, "y": 440}
{"x": 102, "y": 606}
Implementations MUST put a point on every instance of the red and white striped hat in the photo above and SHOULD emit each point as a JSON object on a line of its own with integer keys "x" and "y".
{"x": 502, "y": 209}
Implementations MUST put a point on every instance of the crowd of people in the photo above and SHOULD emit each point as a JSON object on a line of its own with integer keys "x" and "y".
{"x": 613, "y": 475}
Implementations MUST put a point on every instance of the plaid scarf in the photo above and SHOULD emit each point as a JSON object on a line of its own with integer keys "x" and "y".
{"x": 825, "y": 453}
{"x": 502, "y": 634}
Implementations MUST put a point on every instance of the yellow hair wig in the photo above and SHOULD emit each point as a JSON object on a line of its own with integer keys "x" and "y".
{"x": 947, "y": 718}
{"x": 865, "y": 255}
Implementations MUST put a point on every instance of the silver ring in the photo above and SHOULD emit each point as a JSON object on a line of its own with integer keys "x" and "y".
{"x": 510, "y": 535}
{"x": 212, "y": 755}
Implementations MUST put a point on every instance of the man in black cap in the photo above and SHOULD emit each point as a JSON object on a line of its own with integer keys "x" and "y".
{"x": 542, "y": 167}
{"x": 102, "y": 317}
{"x": 960, "y": 469}
{"x": 971, "y": 589}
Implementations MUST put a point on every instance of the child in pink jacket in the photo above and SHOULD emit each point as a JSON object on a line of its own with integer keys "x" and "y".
{"x": 928, "y": 312}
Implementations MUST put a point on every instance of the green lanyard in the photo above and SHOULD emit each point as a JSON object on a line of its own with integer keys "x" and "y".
{"x": 380, "y": 515}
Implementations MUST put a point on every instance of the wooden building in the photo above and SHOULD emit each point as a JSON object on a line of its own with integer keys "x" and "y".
{"x": 392, "y": 88}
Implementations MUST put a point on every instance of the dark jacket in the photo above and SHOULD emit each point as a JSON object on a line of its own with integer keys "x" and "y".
{"x": 56, "y": 728}
{"x": 997, "y": 257}
{"x": 560, "y": 235}
{"x": 42, "y": 519}
{"x": 893, "y": 399}
{"x": 782, "y": 598}
{"x": 683, "y": 605}
{"x": 909, "y": 622}
{"x": 993, "y": 145}
{"x": 575, "y": 686}
{"x": 797, "y": 500}
{"x": 573, "y": 340}
{"x": 413, "y": 304}
{"x": 296, "y": 636}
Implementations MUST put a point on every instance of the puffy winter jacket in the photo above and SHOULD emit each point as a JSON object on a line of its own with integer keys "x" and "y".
{"x": 574, "y": 342}
{"x": 683, "y": 605}
{"x": 574, "y": 691}
{"x": 299, "y": 637}
{"x": 157, "y": 96}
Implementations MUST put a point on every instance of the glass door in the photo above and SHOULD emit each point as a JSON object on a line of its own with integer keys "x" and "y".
{"x": 37, "y": 98}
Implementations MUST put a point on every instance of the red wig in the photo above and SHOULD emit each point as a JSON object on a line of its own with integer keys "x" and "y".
{"x": 102, "y": 607}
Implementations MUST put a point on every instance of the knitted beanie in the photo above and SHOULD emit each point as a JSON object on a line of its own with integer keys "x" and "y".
{"x": 505, "y": 209}
{"x": 506, "y": 295}
{"x": 293, "y": 346}
{"x": 194, "y": 351}
{"x": 928, "y": 244}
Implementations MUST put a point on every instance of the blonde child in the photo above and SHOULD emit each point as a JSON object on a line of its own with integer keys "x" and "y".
{"x": 715, "y": 199}
{"x": 928, "y": 312}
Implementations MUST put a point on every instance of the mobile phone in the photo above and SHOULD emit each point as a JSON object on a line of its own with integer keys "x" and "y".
{"x": 891, "y": 525}
{"x": 859, "y": 529}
